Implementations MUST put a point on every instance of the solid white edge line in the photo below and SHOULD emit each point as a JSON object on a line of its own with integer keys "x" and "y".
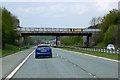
{"x": 93, "y": 56}
{"x": 18, "y": 67}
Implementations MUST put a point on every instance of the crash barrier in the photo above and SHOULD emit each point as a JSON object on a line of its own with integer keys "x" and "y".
{"x": 96, "y": 49}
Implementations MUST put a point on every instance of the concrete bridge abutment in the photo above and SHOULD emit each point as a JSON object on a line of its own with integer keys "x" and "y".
{"x": 22, "y": 42}
{"x": 57, "y": 41}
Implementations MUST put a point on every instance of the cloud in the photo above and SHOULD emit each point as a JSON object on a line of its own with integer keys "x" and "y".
{"x": 47, "y": 0}
{"x": 57, "y": 0}
{"x": 25, "y": 10}
{"x": 104, "y": 5}
{"x": 56, "y": 10}
{"x": 72, "y": 8}
{"x": 30, "y": 10}
{"x": 78, "y": 9}
{"x": 53, "y": 15}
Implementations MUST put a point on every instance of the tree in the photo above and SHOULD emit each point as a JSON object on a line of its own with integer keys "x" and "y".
{"x": 0, "y": 28}
{"x": 110, "y": 27}
{"x": 93, "y": 21}
{"x": 109, "y": 19}
{"x": 111, "y": 35}
{"x": 9, "y": 23}
{"x": 99, "y": 20}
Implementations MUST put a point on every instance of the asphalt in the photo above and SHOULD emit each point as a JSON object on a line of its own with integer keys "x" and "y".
{"x": 67, "y": 64}
{"x": 10, "y": 62}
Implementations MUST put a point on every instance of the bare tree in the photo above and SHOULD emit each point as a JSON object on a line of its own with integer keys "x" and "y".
{"x": 93, "y": 21}
{"x": 99, "y": 20}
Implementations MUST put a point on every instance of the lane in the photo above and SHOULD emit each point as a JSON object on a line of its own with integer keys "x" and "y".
{"x": 67, "y": 64}
{"x": 100, "y": 67}
{"x": 10, "y": 62}
{"x": 50, "y": 68}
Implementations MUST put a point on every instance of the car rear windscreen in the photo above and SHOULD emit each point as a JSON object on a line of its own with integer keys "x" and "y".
{"x": 43, "y": 47}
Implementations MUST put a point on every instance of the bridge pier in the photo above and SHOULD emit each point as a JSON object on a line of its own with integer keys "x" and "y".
{"x": 22, "y": 42}
{"x": 93, "y": 39}
{"x": 57, "y": 41}
{"x": 88, "y": 41}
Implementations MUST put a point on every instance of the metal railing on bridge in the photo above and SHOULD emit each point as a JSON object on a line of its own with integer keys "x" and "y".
{"x": 57, "y": 29}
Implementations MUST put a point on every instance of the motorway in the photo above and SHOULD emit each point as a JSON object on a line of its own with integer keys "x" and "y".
{"x": 64, "y": 64}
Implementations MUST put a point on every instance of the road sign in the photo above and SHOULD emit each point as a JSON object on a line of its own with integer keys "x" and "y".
{"x": 28, "y": 44}
{"x": 84, "y": 39}
{"x": 71, "y": 29}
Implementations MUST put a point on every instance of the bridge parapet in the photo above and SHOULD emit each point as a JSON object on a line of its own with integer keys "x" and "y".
{"x": 68, "y": 30}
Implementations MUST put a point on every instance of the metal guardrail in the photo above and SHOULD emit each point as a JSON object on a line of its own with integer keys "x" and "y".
{"x": 55, "y": 29}
{"x": 97, "y": 49}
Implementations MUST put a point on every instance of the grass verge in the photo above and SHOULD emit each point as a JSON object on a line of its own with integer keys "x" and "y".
{"x": 100, "y": 54}
{"x": 11, "y": 49}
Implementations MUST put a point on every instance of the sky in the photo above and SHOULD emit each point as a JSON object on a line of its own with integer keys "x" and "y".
{"x": 59, "y": 14}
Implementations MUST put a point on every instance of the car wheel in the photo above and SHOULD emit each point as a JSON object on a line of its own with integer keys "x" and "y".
{"x": 36, "y": 56}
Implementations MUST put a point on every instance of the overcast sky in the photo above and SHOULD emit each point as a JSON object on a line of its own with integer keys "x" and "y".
{"x": 71, "y": 13}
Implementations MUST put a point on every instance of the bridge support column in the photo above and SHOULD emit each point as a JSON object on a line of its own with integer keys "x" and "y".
{"x": 21, "y": 42}
{"x": 93, "y": 39}
{"x": 57, "y": 41}
{"x": 87, "y": 41}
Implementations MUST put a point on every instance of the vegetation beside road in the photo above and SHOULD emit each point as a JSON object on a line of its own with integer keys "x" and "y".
{"x": 110, "y": 30}
{"x": 100, "y": 54}
{"x": 72, "y": 41}
{"x": 11, "y": 49}
{"x": 9, "y": 23}
{"x": 10, "y": 38}
{"x": 110, "y": 26}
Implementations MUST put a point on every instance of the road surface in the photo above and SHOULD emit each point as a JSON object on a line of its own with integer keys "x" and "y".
{"x": 67, "y": 64}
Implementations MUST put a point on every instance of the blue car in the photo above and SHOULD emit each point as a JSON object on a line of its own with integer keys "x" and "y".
{"x": 43, "y": 50}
